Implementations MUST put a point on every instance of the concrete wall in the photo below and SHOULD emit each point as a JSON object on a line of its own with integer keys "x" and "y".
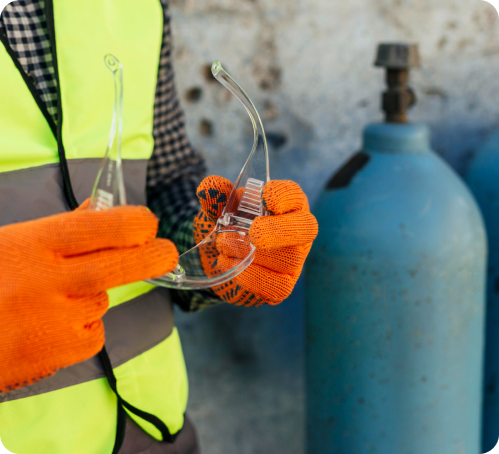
{"x": 307, "y": 65}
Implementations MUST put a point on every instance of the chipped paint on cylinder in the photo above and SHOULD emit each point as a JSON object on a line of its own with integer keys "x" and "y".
{"x": 395, "y": 305}
{"x": 483, "y": 176}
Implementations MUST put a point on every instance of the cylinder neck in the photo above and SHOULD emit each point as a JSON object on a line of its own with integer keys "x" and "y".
{"x": 397, "y": 138}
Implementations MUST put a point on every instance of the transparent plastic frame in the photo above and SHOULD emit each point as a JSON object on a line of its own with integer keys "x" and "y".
{"x": 226, "y": 251}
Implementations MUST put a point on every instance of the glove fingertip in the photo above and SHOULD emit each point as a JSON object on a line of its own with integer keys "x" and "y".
{"x": 289, "y": 229}
{"x": 213, "y": 193}
{"x": 283, "y": 196}
{"x": 163, "y": 257}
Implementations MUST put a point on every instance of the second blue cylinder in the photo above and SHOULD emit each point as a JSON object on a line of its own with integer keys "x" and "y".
{"x": 483, "y": 176}
{"x": 395, "y": 304}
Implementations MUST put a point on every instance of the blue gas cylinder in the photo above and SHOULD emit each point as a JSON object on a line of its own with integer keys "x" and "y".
{"x": 395, "y": 296}
{"x": 483, "y": 179}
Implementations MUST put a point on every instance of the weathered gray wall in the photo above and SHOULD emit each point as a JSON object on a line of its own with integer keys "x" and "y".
{"x": 307, "y": 65}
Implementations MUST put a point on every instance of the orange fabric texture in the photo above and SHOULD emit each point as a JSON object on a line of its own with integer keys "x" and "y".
{"x": 55, "y": 273}
{"x": 283, "y": 241}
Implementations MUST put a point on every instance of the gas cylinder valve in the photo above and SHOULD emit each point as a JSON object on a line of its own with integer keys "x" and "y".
{"x": 397, "y": 59}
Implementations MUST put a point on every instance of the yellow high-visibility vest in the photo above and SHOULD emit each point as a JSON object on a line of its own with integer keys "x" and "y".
{"x": 41, "y": 167}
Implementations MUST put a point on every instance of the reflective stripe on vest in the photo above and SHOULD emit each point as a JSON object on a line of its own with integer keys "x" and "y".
{"x": 146, "y": 320}
{"x": 36, "y": 192}
{"x": 75, "y": 411}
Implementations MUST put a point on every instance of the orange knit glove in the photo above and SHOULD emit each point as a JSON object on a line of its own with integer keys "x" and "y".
{"x": 283, "y": 241}
{"x": 54, "y": 275}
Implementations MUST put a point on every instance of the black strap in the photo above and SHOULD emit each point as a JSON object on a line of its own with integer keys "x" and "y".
{"x": 68, "y": 189}
{"x": 121, "y": 428}
{"x": 122, "y": 404}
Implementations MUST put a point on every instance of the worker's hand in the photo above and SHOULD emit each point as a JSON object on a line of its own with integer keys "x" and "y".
{"x": 283, "y": 241}
{"x": 54, "y": 275}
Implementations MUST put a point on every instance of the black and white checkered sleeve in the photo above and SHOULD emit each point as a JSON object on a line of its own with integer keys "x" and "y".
{"x": 175, "y": 170}
{"x": 24, "y": 24}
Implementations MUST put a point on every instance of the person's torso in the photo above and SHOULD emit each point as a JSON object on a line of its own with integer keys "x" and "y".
{"x": 42, "y": 166}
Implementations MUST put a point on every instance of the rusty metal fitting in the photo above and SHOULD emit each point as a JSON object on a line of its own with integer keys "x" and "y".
{"x": 397, "y": 59}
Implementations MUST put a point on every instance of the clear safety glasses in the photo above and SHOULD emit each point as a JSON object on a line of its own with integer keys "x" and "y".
{"x": 227, "y": 250}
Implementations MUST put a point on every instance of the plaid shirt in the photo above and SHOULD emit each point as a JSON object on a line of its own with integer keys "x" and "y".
{"x": 174, "y": 169}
